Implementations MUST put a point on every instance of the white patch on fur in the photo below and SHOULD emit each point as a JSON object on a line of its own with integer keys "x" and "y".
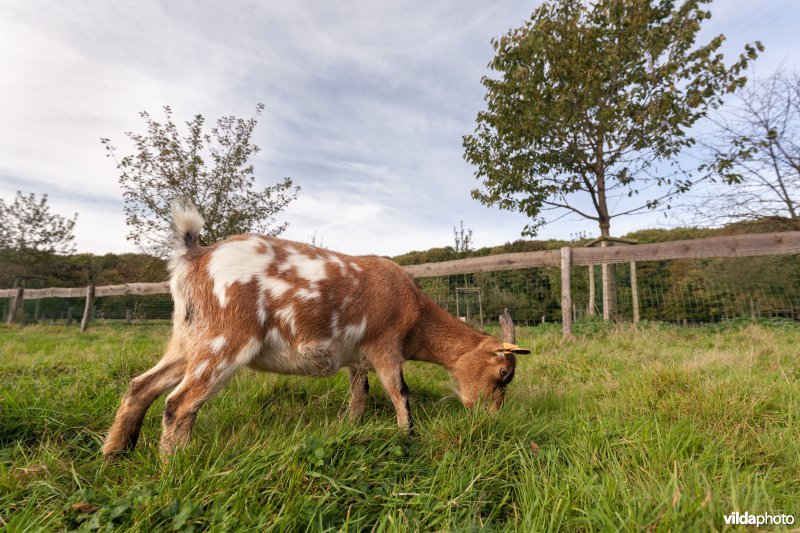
{"x": 176, "y": 391}
{"x": 355, "y": 267}
{"x": 199, "y": 369}
{"x": 238, "y": 262}
{"x": 354, "y": 333}
{"x": 217, "y": 344}
{"x": 312, "y": 270}
{"x": 274, "y": 338}
{"x": 335, "y": 324}
{"x": 345, "y": 302}
{"x": 311, "y": 358}
{"x": 177, "y": 286}
{"x": 336, "y": 260}
{"x": 286, "y": 315}
{"x": 249, "y": 351}
{"x": 307, "y": 294}
{"x": 276, "y": 286}
{"x": 277, "y": 355}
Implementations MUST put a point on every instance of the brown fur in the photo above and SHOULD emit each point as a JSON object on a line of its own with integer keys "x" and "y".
{"x": 399, "y": 322}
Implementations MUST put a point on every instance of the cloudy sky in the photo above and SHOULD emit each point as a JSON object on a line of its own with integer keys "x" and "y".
{"x": 366, "y": 104}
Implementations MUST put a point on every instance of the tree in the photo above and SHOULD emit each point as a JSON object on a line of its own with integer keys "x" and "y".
{"x": 592, "y": 106}
{"x": 27, "y": 225}
{"x": 30, "y": 235}
{"x": 755, "y": 150}
{"x": 462, "y": 239}
{"x": 211, "y": 169}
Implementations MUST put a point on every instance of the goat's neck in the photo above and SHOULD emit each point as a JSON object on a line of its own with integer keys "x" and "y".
{"x": 441, "y": 338}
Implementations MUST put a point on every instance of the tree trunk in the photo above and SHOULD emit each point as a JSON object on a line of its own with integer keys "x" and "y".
{"x": 604, "y": 218}
{"x": 609, "y": 282}
{"x": 566, "y": 292}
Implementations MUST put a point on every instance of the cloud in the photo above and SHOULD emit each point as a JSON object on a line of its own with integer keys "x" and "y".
{"x": 366, "y": 104}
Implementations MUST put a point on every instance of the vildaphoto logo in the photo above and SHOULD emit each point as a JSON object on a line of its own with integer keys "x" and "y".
{"x": 747, "y": 519}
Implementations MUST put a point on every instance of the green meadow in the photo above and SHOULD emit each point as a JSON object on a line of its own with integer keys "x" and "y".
{"x": 659, "y": 428}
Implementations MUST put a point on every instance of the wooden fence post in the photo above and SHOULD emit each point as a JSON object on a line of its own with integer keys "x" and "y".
{"x": 566, "y": 292}
{"x": 128, "y": 315}
{"x": 87, "y": 310}
{"x": 634, "y": 293}
{"x": 15, "y": 303}
{"x": 592, "y": 295}
{"x": 69, "y": 316}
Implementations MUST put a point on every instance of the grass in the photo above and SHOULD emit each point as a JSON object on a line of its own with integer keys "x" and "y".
{"x": 657, "y": 428}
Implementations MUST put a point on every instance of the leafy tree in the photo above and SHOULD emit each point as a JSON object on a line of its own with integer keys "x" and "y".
{"x": 30, "y": 234}
{"x": 212, "y": 169}
{"x": 592, "y": 105}
{"x": 756, "y": 151}
{"x": 27, "y": 225}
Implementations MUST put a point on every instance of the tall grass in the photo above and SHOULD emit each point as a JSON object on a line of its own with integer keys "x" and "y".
{"x": 651, "y": 428}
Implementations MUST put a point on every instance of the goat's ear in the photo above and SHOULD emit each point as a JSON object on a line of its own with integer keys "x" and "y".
{"x": 512, "y": 348}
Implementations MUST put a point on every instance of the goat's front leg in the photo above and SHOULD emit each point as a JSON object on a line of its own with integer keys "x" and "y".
{"x": 359, "y": 388}
{"x": 390, "y": 372}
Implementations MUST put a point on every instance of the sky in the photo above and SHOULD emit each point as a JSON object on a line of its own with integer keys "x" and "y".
{"x": 366, "y": 105}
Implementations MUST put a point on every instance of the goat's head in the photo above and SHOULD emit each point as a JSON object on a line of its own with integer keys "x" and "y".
{"x": 484, "y": 373}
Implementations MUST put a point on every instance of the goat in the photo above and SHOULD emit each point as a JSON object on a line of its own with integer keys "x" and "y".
{"x": 291, "y": 308}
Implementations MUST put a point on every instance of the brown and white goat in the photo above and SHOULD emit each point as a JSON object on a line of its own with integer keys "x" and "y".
{"x": 290, "y": 308}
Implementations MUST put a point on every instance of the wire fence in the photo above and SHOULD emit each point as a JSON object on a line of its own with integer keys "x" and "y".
{"x": 127, "y": 309}
{"x": 677, "y": 291}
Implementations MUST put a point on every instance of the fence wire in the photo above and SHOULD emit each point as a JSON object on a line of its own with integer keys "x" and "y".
{"x": 686, "y": 291}
{"x": 128, "y": 309}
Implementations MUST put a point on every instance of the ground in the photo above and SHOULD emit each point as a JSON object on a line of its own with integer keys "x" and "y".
{"x": 658, "y": 427}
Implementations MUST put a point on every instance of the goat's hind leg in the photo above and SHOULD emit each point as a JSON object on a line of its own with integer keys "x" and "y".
{"x": 143, "y": 390}
{"x": 206, "y": 373}
{"x": 359, "y": 387}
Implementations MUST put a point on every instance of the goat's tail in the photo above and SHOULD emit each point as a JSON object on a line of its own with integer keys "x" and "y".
{"x": 186, "y": 226}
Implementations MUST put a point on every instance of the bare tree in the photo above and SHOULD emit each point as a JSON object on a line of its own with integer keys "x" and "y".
{"x": 212, "y": 169}
{"x": 755, "y": 153}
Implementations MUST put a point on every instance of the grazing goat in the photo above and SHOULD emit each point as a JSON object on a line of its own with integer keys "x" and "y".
{"x": 290, "y": 308}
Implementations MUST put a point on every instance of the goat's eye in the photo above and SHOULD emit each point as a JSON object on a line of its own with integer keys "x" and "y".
{"x": 503, "y": 372}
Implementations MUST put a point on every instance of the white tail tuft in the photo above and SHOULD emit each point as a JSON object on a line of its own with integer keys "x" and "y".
{"x": 186, "y": 224}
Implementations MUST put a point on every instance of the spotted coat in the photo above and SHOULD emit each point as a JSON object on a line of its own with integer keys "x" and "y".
{"x": 290, "y": 308}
